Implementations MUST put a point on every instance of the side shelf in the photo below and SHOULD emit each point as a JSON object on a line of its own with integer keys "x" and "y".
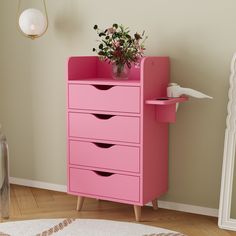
{"x": 166, "y": 108}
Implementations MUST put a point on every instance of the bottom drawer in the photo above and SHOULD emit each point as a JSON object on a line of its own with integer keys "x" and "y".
{"x": 96, "y": 183}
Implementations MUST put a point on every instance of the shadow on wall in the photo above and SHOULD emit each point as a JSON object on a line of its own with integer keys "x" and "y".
{"x": 67, "y": 23}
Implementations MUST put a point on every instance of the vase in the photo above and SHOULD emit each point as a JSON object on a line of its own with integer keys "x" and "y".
{"x": 120, "y": 71}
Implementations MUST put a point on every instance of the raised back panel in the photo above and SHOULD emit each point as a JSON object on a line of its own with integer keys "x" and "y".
{"x": 103, "y": 69}
{"x": 81, "y": 68}
{"x": 91, "y": 67}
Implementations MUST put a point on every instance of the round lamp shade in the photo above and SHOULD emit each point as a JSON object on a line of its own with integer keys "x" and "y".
{"x": 32, "y": 22}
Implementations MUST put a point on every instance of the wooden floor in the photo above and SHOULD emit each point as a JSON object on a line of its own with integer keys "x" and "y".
{"x": 33, "y": 203}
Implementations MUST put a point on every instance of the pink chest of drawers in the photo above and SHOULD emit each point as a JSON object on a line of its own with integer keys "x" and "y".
{"x": 117, "y": 150}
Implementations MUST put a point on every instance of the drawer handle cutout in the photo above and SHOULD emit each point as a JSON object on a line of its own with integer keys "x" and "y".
{"x": 103, "y": 87}
{"x": 102, "y": 173}
{"x": 103, "y": 145}
{"x": 103, "y": 117}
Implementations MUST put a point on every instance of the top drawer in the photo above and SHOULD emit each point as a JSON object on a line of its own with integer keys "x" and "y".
{"x": 104, "y": 98}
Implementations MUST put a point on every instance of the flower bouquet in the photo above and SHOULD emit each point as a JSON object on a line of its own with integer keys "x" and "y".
{"x": 118, "y": 47}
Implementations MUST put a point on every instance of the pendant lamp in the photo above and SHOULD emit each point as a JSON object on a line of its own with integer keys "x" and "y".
{"x": 32, "y": 22}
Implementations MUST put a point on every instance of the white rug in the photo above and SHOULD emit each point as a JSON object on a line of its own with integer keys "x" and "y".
{"x": 80, "y": 227}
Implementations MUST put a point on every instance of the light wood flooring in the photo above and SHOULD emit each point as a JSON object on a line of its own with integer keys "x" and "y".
{"x": 33, "y": 203}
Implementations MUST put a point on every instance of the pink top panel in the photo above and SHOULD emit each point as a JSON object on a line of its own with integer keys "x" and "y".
{"x": 91, "y": 67}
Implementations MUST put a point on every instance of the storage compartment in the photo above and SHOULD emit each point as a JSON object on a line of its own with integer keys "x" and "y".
{"x": 104, "y": 98}
{"x": 166, "y": 108}
{"x": 102, "y": 111}
{"x": 87, "y": 67}
{"x": 101, "y": 155}
{"x": 106, "y": 127}
{"x": 110, "y": 185}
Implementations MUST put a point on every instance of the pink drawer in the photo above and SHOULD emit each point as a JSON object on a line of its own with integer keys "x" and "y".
{"x": 117, "y": 128}
{"x": 104, "y": 98}
{"x": 117, "y": 186}
{"x": 116, "y": 157}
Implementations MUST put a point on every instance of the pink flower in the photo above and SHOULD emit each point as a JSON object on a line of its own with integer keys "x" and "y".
{"x": 141, "y": 50}
{"x": 116, "y": 44}
{"x": 111, "y": 30}
{"x": 136, "y": 43}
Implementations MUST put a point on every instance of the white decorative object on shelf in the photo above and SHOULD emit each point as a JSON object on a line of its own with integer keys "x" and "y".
{"x": 174, "y": 91}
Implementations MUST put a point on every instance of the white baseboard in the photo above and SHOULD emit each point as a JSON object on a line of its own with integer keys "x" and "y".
{"x": 188, "y": 208}
{"x": 162, "y": 204}
{"x": 38, "y": 184}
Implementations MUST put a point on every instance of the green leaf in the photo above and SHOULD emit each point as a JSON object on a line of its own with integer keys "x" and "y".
{"x": 129, "y": 48}
{"x": 101, "y": 34}
{"x": 115, "y": 26}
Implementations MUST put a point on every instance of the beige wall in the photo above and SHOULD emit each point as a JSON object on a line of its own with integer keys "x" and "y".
{"x": 200, "y": 38}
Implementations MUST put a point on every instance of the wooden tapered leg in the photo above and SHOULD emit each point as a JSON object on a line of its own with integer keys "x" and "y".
{"x": 155, "y": 204}
{"x": 137, "y": 212}
{"x": 80, "y": 202}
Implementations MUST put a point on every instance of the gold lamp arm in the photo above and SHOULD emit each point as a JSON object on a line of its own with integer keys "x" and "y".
{"x": 46, "y": 14}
